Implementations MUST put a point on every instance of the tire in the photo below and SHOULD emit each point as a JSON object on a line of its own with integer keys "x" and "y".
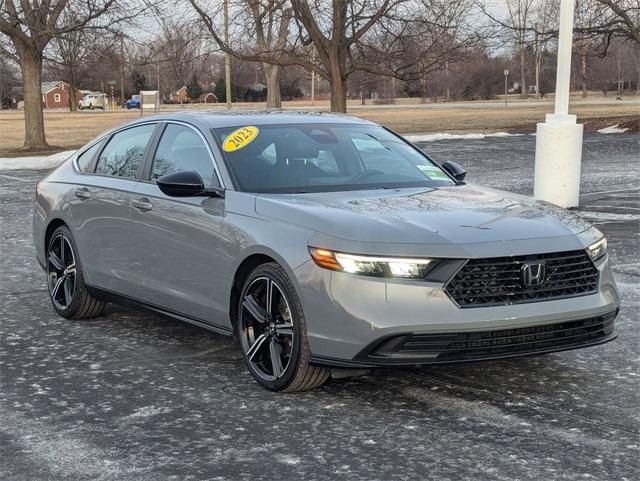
{"x": 70, "y": 299}
{"x": 260, "y": 333}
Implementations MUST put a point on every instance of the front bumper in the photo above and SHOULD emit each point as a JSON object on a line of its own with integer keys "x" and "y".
{"x": 363, "y": 321}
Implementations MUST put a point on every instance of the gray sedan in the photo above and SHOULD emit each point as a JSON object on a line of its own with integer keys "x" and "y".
{"x": 327, "y": 244}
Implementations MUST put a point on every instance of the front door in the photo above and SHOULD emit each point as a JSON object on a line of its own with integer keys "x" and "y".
{"x": 176, "y": 241}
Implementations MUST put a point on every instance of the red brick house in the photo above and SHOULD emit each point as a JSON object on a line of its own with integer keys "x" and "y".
{"x": 55, "y": 95}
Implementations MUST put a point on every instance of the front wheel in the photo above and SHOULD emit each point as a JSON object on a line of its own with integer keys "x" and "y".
{"x": 273, "y": 333}
{"x": 65, "y": 279}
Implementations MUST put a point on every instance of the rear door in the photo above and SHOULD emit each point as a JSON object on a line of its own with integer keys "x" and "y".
{"x": 101, "y": 203}
{"x": 176, "y": 241}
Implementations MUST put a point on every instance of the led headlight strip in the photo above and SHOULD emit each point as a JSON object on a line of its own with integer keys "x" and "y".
{"x": 597, "y": 249}
{"x": 371, "y": 265}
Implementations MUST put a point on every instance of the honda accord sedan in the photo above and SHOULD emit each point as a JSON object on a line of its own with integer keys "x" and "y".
{"x": 326, "y": 244}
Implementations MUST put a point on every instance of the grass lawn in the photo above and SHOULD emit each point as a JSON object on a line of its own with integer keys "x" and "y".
{"x": 66, "y": 130}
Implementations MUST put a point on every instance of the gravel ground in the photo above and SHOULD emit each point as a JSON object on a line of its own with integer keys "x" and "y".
{"x": 129, "y": 396}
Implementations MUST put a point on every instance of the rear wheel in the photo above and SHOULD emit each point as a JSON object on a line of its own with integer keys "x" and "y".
{"x": 67, "y": 290}
{"x": 273, "y": 333}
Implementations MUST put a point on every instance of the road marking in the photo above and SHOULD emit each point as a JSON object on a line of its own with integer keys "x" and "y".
{"x": 15, "y": 178}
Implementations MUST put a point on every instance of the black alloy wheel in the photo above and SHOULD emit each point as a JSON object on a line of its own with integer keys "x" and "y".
{"x": 273, "y": 332}
{"x": 61, "y": 270}
{"x": 65, "y": 279}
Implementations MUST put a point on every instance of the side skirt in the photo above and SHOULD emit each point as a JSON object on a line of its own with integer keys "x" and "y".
{"x": 123, "y": 300}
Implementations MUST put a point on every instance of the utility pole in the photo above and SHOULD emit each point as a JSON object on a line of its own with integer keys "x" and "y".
{"x": 559, "y": 138}
{"x": 506, "y": 87}
{"x": 227, "y": 57}
{"x": 122, "y": 99}
{"x": 446, "y": 70}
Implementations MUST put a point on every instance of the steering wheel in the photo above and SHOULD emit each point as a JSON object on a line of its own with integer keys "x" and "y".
{"x": 366, "y": 173}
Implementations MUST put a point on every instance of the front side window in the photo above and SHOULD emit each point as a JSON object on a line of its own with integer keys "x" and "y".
{"x": 296, "y": 158}
{"x": 124, "y": 152}
{"x": 56, "y": 98}
{"x": 181, "y": 148}
{"x": 85, "y": 158}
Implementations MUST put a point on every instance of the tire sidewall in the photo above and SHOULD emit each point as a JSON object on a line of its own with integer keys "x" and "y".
{"x": 277, "y": 274}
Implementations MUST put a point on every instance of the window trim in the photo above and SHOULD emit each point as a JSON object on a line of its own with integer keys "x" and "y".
{"x": 109, "y": 137}
{"x": 153, "y": 148}
{"x": 90, "y": 166}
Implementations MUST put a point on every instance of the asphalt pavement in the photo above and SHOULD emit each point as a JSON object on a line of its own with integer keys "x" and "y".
{"x": 129, "y": 396}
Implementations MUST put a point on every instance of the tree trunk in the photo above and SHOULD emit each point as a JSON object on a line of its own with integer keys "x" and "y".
{"x": 272, "y": 74}
{"x": 338, "y": 81}
{"x": 523, "y": 72}
{"x": 338, "y": 94}
{"x": 538, "y": 65}
{"x": 73, "y": 100}
{"x": 583, "y": 68}
{"x": 31, "y": 68}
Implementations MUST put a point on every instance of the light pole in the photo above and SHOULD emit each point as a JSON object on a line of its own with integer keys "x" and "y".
{"x": 559, "y": 138}
{"x": 506, "y": 87}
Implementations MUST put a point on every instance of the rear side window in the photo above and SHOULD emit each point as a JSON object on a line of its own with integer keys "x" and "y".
{"x": 181, "y": 148}
{"x": 85, "y": 158}
{"x": 124, "y": 152}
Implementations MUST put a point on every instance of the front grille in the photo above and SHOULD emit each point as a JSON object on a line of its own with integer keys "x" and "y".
{"x": 497, "y": 281}
{"x": 463, "y": 346}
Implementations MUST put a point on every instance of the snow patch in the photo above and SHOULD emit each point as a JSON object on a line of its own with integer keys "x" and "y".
{"x": 38, "y": 162}
{"x": 147, "y": 412}
{"x": 446, "y": 136}
{"x": 608, "y": 216}
{"x": 612, "y": 129}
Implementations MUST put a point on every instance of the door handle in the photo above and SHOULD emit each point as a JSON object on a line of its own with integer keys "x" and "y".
{"x": 82, "y": 193}
{"x": 142, "y": 204}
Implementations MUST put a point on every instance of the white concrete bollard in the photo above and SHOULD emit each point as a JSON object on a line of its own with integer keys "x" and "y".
{"x": 558, "y": 160}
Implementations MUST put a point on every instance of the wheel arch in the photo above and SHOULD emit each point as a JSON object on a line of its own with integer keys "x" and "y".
{"x": 249, "y": 261}
{"x": 53, "y": 224}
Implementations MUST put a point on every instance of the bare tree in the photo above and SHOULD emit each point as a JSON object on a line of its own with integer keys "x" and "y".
{"x": 71, "y": 56}
{"x": 31, "y": 25}
{"x": 337, "y": 38}
{"x": 545, "y": 14}
{"x": 269, "y": 22}
{"x": 626, "y": 17}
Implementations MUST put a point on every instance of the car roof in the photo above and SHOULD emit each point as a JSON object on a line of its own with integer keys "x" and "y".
{"x": 232, "y": 118}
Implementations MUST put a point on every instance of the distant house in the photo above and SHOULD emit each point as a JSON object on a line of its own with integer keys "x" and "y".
{"x": 55, "y": 95}
{"x": 180, "y": 96}
{"x": 208, "y": 98}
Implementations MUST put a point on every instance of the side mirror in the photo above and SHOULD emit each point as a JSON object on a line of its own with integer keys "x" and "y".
{"x": 185, "y": 183}
{"x": 455, "y": 169}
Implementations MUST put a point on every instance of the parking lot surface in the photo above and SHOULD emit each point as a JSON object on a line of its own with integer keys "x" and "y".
{"x": 129, "y": 396}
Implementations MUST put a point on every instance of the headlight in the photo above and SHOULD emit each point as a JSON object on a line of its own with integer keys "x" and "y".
{"x": 372, "y": 265}
{"x": 597, "y": 249}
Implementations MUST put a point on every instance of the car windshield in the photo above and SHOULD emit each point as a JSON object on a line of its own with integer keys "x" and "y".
{"x": 299, "y": 158}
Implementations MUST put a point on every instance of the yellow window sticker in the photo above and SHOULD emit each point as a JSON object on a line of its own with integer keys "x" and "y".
{"x": 240, "y": 138}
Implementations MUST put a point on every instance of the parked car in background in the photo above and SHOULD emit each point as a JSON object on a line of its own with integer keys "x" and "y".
{"x": 133, "y": 102}
{"x": 322, "y": 242}
{"x": 94, "y": 100}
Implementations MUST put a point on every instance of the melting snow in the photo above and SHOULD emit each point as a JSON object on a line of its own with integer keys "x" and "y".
{"x": 38, "y": 162}
{"x": 612, "y": 129}
{"x": 446, "y": 136}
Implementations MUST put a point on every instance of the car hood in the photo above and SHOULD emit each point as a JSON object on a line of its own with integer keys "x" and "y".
{"x": 451, "y": 215}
